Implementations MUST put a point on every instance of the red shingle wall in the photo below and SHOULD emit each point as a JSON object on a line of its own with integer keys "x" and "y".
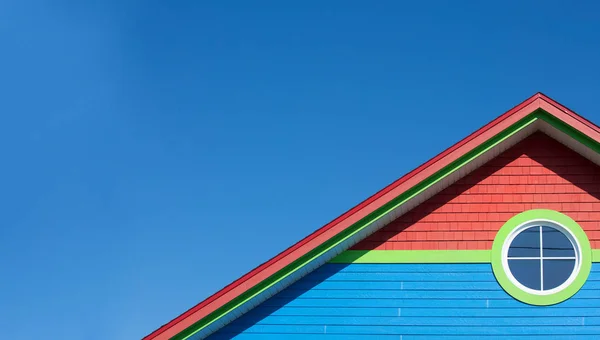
{"x": 538, "y": 172}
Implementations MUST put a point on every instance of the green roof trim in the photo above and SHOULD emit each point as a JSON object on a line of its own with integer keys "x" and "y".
{"x": 382, "y": 211}
{"x": 569, "y": 130}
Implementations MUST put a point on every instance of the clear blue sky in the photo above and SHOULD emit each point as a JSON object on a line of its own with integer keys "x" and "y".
{"x": 154, "y": 151}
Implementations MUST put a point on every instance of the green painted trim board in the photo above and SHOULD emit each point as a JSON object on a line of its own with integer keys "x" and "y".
{"x": 422, "y": 256}
{"x": 502, "y": 273}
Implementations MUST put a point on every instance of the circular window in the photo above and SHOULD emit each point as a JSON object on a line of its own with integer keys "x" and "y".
{"x": 541, "y": 257}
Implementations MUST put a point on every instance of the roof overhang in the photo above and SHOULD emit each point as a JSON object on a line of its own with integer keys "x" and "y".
{"x": 538, "y": 113}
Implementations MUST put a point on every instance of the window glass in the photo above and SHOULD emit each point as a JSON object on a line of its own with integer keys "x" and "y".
{"x": 556, "y": 272}
{"x": 541, "y": 258}
{"x": 526, "y": 244}
{"x": 527, "y": 272}
{"x": 556, "y": 244}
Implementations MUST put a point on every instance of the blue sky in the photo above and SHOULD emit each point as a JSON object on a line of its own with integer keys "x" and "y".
{"x": 154, "y": 151}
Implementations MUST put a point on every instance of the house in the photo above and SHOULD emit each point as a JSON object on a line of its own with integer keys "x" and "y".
{"x": 499, "y": 235}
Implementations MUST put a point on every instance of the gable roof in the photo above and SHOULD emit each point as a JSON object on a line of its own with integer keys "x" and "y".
{"x": 539, "y": 112}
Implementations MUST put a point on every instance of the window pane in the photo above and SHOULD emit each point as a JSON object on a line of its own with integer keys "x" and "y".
{"x": 527, "y": 272}
{"x": 526, "y": 244}
{"x": 556, "y": 272}
{"x": 556, "y": 243}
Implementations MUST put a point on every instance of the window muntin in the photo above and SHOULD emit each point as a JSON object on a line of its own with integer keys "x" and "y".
{"x": 541, "y": 257}
{"x": 525, "y": 244}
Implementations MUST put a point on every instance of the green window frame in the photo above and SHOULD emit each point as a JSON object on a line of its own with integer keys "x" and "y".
{"x": 556, "y": 220}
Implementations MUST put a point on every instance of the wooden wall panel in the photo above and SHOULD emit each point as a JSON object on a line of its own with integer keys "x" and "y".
{"x": 415, "y": 301}
{"x": 538, "y": 172}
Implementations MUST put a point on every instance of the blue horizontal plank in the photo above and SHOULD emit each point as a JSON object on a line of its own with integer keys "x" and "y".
{"x": 402, "y": 294}
{"x": 424, "y": 321}
{"x": 330, "y": 311}
{"x": 254, "y": 336}
{"x": 398, "y": 303}
{"x": 330, "y": 284}
{"x": 594, "y": 276}
{"x": 421, "y": 330}
{"x": 450, "y": 286}
{"x": 578, "y": 300}
{"x": 509, "y": 302}
{"x": 404, "y": 268}
{"x": 537, "y": 311}
{"x": 395, "y": 285}
{"x": 411, "y": 276}
{"x": 413, "y": 294}
{"x": 510, "y": 337}
{"x": 465, "y": 330}
{"x": 330, "y": 270}
{"x": 286, "y": 329}
{"x": 429, "y": 312}
{"x": 591, "y": 285}
{"x": 592, "y": 321}
{"x": 411, "y": 285}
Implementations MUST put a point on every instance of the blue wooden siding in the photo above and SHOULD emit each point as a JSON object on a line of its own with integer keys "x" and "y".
{"x": 413, "y": 301}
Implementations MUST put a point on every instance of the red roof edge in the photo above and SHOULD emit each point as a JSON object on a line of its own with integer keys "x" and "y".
{"x": 362, "y": 205}
{"x": 569, "y": 112}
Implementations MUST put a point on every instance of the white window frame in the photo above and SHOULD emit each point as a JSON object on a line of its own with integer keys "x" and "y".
{"x": 543, "y": 223}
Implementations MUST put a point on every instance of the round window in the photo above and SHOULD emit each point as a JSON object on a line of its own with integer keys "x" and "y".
{"x": 541, "y": 257}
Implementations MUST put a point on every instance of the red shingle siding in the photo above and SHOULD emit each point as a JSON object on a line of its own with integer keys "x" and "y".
{"x": 538, "y": 172}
